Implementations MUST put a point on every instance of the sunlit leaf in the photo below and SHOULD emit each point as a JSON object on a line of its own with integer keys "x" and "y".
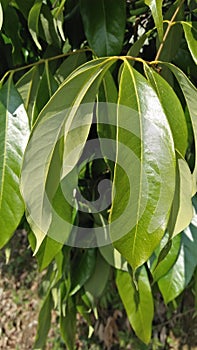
{"x": 33, "y": 21}
{"x": 14, "y": 132}
{"x": 144, "y": 177}
{"x": 156, "y": 10}
{"x": 190, "y": 30}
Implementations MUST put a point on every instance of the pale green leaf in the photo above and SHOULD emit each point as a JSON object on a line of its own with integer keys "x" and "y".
{"x": 60, "y": 125}
{"x": 27, "y": 86}
{"x": 33, "y": 21}
{"x": 156, "y": 10}
{"x": 190, "y": 30}
{"x": 138, "y": 305}
{"x": 104, "y": 25}
{"x": 144, "y": 179}
{"x": 14, "y": 132}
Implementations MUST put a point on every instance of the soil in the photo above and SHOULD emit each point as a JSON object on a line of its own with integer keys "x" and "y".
{"x": 19, "y": 307}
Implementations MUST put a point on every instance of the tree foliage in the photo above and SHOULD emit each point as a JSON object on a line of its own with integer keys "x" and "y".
{"x": 105, "y": 95}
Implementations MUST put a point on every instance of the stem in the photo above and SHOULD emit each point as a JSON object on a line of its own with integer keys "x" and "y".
{"x": 170, "y": 24}
{"x": 41, "y": 61}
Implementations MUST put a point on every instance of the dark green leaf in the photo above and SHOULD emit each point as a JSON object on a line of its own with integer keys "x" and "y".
{"x": 104, "y": 25}
{"x": 68, "y": 324}
{"x": 44, "y": 322}
{"x": 33, "y": 21}
{"x": 156, "y": 10}
{"x": 190, "y": 30}
{"x": 82, "y": 269}
{"x": 69, "y": 65}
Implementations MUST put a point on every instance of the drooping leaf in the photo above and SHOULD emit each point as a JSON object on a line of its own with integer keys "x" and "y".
{"x": 104, "y": 25}
{"x": 33, "y": 21}
{"x": 14, "y": 132}
{"x": 172, "y": 108}
{"x": 67, "y": 119}
{"x": 182, "y": 211}
{"x": 190, "y": 94}
{"x": 190, "y": 30}
{"x": 44, "y": 322}
{"x": 156, "y": 10}
{"x": 82, "y": 270}
{"x": 174, "y": 282}
{"x": 136, "y": 47}
{"x": 97, "y": 282}
{"x": 27, "y": 87}
{"x": 49, "y": 30}
{"x": 138, "y": 305}
{"x": 160, "y": 268}
{"x": 144, "y": 177}
{"x": 68, "y": 324}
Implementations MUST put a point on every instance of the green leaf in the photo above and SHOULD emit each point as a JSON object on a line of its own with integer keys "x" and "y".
{"x": 27, "y": 87}
{"x": 33, "y": 21}
{"x": 68, "y": 324}
{"x": 58, "y": 124}
{"x": 136, "y": 47}
{"x": 190, "y": 94}
{"x": 190, "y": 31}
{"x": 104, "y": 25}
{"x": 49, "y": 30}
{"x": 14, "y": 132}
{"x": 11, "y": 25}
{"x": 44, "y": 322}
{"x": 113, "y": 257}
{"x": 160, "y": 268}
{"x": 47, "y": 86}
{"x": 69, "y": 65}
{"x": 156, "y": 10}
{"x": 181, "y": 218}
{"x": 97, "y": 282}
{"x": 144, "y": 178}
{"x": 172, "y": 108}
{"x": 138, "y": 305}
{"x": 82, "y": 270}
{"x": 174, "y": 282}
{"x": 1, "y": 16}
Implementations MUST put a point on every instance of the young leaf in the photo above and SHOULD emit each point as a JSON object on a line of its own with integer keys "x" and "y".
{"x": 190, "y": 30}
{"x": 14, "y": 132}
{"x": 144, "y": 190}
{"x": 138, "y": 305}
{"x": 104, "y": 25}
{"x": 60, "y": 119}
{"x": 172, "y": 108}
{"x": 156, "y": 10}
{"x": 33, "y": 21}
